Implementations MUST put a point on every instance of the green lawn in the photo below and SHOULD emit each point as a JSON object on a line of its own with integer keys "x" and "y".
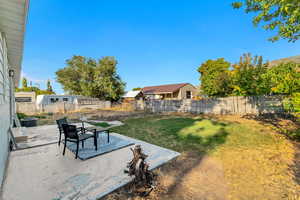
{"x": 193, "y": 134}
{"x": 101, "y": 124}
{"x": 256, "y": 160}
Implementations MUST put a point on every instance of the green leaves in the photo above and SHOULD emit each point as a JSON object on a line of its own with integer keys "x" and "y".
{"x": 284, "y": 78}
{"x": 37, "y": 90}
{"x": 280, "y": 15}
{"x": 237, "y": 5}
{"x": 24, "y": 83}
{"x": 87, "y": 77}
{"x": 249, "y": 77}
{"x": 215, "y": 77}
{"x": 49, "y": 86}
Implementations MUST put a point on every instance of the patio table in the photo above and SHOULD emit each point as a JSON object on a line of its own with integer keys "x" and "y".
{"x": 99, "y": 130}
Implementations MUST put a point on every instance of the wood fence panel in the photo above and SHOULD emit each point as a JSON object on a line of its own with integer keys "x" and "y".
{"x": 227, "y": 105}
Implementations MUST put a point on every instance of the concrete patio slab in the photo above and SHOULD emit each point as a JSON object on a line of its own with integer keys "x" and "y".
{"x": 104, "y": 146}
{"x": 43, "y": 173}
{"x": 46, "y": 134}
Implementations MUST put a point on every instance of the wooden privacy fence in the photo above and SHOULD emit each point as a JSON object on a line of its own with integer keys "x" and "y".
{"x": 227, "y": 105}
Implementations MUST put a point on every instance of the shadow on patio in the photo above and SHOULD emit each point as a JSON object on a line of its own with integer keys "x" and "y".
{"x": 39, "y": 171}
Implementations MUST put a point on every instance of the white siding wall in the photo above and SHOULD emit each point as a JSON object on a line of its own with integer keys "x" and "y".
{"x": 4, "y": 106}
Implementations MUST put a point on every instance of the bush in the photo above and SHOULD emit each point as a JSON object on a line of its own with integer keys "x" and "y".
{"x": 292, "y": 104}
{"x": 21, "y": 115}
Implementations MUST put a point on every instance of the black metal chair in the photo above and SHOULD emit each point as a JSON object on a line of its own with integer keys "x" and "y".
{"x": 62, "y": 121}
{"x": 72, "y": 134}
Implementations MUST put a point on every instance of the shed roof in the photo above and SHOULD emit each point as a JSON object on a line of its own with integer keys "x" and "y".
{"x": 170, "y": 88}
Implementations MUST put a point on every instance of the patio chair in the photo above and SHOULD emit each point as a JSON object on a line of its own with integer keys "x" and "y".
{"x": 72, "y": 134}
{"x": 62, "y": 121}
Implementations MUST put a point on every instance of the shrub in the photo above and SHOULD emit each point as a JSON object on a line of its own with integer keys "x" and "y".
{"x": 292, "y": 104}
{"x": 21, "y": 115}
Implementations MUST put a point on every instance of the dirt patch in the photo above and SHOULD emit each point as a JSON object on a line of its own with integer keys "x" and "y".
{"x": 296, "y": 167}
{"x": 287, "y": 125}
{"x": 204, "y": 181}
{"x": 254, "y": 162}
{"x": 189, "y": 177}
{"x": 105, "y": 115}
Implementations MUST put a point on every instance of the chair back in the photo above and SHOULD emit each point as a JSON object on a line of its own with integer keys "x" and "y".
{"x": 60, "y": 122}
{"x": 70, "y": 131}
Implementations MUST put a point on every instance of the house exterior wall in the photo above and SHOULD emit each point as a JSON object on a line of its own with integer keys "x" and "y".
{"x": 177, "y": 95}
{"x": 4, "y": 106}
{"x": 184, "y": 89}
{"x": 171, "y": 96}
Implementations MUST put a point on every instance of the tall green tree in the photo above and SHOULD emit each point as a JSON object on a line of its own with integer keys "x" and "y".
{"x": 248, "y": 76}
{"x": 282, "y": 16}
{"x": 24, "y": 83}
{"x": 284, "y": 78}
{"x": 215, "y": 77}
{"x": 88, "y": 77}
{"x": 49, "y": 86}
{"x": 107, "y": 81}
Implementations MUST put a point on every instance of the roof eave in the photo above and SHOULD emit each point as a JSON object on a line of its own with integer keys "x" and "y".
{"x": 13, "y": 25}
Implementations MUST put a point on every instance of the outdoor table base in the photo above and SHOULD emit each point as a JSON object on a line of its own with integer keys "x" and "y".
{"x": 98, "y": 131}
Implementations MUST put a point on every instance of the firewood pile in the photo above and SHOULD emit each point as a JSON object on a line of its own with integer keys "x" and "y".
{"x": 143, "y": 182}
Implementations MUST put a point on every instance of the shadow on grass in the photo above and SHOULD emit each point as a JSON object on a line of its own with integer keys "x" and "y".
{"x": 193, "y": 137}
{"x": 186, "y": 134}
{"x": 290, "y": 130}
{"x": 199, "y": 136}
{"x": 276, "y": 119}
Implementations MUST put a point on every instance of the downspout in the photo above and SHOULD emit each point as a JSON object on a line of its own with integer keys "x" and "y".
{"x": 12, "y": 111}
{"x": 11, "y": 96}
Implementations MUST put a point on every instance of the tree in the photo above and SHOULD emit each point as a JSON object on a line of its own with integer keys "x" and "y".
{"x": 215, "y": 77}
{"x": 280, "y": 15}
{"x": 108, "y": 83}
{"x": 24, "y": 83}
{"x": 88, "y": 77}
{"x": 284, "y": 78}
{"x": 136, "y": 89}
{"x": 248, "y": 76}
{"x": 49, "y": 86}
{"x": 38, "y": 91}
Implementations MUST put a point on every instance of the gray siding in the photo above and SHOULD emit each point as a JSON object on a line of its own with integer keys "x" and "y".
{"x": 4, "y": 106}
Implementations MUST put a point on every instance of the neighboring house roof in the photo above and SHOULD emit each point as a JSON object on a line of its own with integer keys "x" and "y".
{"x": 160, "y": 89}
{"x": 131, "y": 94}
{"x": 13, "y": 16}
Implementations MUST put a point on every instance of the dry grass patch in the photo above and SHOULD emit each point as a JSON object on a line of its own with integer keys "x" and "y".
{"x": 224, "y": 157}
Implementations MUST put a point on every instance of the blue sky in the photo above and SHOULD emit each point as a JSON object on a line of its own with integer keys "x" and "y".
{"x": 155, "y": 42}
